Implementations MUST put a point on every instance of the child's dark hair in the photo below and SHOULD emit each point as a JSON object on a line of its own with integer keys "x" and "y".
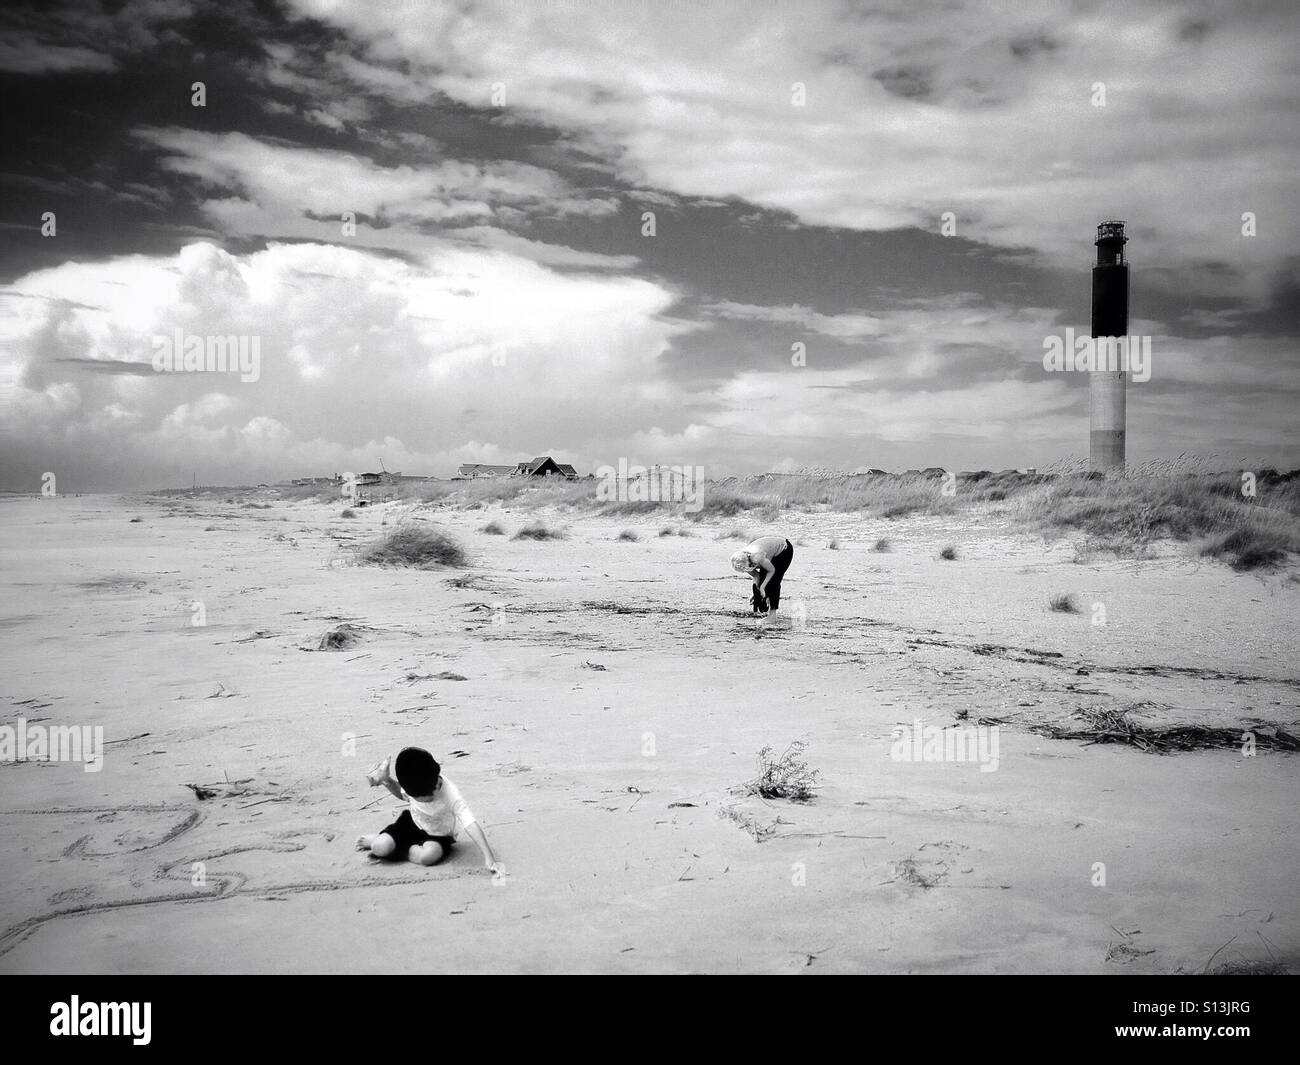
{"x": 417, "y": 772}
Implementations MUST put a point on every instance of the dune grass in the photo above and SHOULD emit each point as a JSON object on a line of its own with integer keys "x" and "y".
{"x": 493, "y": 528}
{"x": 324, "y": 493}
{"x": 1128, "y": 513}
{"x": 1125, "y": 513}
{"x": 414, "y": 544}
{"x": 1063, "y": 604}
{"x": 1249, "y": 547}
{"x": 628, "y": 536}
{"x": 537, "y": 530}
{"x": 949, "y": 553}
{"x": 531, "y": 492}
{"x": 786, "y": 777}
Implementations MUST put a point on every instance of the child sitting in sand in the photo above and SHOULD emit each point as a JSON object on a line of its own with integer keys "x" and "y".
{"x": 426, "y": 830}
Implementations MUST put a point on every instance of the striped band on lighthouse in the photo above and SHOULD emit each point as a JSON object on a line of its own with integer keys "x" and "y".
{"x": 1107, "y": 387}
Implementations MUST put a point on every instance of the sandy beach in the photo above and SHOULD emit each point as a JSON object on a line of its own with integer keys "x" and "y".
{"x": 599, "y": 702}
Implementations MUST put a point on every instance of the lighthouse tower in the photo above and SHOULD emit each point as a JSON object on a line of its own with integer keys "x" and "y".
{"x": 1109, "y": 319}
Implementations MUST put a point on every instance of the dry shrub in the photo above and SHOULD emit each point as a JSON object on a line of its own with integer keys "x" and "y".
{"x": 538, "y": 531}
{"x": 787, "y": 777}
{"x": 414, "y": 544}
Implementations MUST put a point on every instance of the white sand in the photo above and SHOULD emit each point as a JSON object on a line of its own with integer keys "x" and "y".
{"x": 604, "y": 875}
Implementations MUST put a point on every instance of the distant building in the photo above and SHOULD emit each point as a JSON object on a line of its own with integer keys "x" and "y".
{"x": 545, "y": 466}
{"x": 478, "y": 469}
{"x": 542, "y": 466}
{"x": 365, "y": 488}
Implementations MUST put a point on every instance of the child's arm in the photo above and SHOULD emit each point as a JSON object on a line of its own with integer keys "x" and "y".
{"x": 379, "y": 774}
{"x": 768, "y": 569}
{"x": 485, "y": 848}
{"x": 469, "y": 824}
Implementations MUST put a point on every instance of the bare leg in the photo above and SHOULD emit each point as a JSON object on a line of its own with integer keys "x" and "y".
{"x": 426, "y": 853}
{"x": 381, "y": 845}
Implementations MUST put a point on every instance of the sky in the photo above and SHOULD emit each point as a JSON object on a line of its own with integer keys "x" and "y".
{"x": 745, "y": 235}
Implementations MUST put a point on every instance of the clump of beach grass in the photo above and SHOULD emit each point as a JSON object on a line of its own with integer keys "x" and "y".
{"x": 1063, "y": 604}
{"x": 949, "y": 553}
{"x": 348, "y": 512}
{"x": 786, "y": 777}
{"x": 628, "y": 536}
{"x": 882, "y": 546}
{"x": 414, "y": 544}
{"x": 537, "y": 530}
{"x": 493, "y": 528}
{"x": 1249, "y": 547}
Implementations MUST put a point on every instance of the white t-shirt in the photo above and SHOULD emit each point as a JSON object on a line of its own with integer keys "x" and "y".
{"x": 767, "y": 547}
{"x": 446, "y": 814}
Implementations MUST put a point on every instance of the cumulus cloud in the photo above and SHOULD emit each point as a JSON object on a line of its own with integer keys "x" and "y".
{"x": 362, "y": 357}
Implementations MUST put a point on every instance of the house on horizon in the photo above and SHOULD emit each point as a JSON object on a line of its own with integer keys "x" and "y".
{"x": 545, "y": 466}
{"x": 542, "y": 466}
{"x": 366, "y": 488}
{"x": 479, "y": 469}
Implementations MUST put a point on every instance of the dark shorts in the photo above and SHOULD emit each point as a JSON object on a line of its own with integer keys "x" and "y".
{"x": 407, "y": 834}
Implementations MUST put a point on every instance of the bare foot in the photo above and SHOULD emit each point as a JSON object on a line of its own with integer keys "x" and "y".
{"x": 363, "y": 842}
